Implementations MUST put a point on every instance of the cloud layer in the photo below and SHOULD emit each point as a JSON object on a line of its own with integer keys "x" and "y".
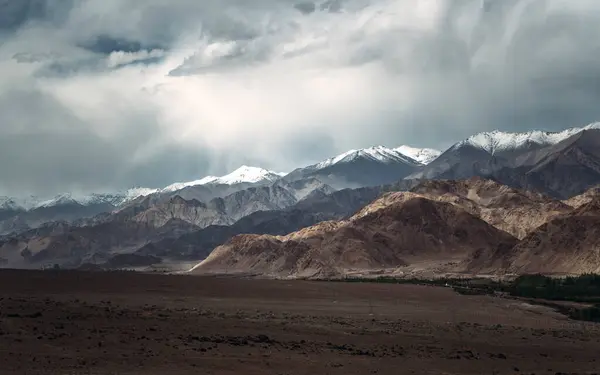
{"x": 108, "y": 94}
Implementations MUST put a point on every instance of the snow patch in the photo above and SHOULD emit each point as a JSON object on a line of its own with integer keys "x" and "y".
{"x": 422, "y": 155}
{"x": 61, "y": 199}
{"x": 181, "y": 185}
{"x": 244, "y": 174}
{"x": 377, "y": 153}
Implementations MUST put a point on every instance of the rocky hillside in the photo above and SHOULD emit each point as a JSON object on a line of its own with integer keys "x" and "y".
{"x": 469, "y": 226}
{"x": 314, "y": 208}
{"x": 146, "y": 220}
{"x": 398, "y": 230}
{"x": 567, "y": 244}
{"x": 517, "y": 212}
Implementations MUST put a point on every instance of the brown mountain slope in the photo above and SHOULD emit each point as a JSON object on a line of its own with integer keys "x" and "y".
{"x": 396, "y": 230}
{"x": 586, "y": 197}
{"x": 517, "y": 212}
{"x": 568, "y": 244}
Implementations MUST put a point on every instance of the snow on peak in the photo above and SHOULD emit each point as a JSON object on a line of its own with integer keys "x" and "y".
{"x": 243, "y": 174}
{"x": 496, "y": 140}
{"x": 181, "y": 185}
{"x": 377, "y": 153}
{"x": 422, "y": 155}
{"x": 61, "y": 199}
{"x": 247, "y": 174}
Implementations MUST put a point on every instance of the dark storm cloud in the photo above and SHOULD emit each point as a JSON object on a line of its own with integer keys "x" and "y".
{"x": 306, "y": 7}
{"x": 16, "y": 13}
{"x": 106, "y": 44}
{"x": 107, "y": 94}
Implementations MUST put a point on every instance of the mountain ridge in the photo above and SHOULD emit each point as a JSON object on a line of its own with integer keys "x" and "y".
{"x": 189, "y": 222}
{"x": 436, "y": 228}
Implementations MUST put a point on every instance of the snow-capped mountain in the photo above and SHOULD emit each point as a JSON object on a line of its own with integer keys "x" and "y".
{"x": 114, "y": 199}
{"x": 358, "y": 168}
{"x": 249, "y": 175}
{"x": 62, "y": 199}
{"x": 405, "y": 154}
{"x": 422, "y": 155}
{"x": 243, "y": 174}
{"x": 487, "y": 153}
{"x": 354, "y": 168}
{"x": 377, "y": 153}
{"x": 497, "y": 141}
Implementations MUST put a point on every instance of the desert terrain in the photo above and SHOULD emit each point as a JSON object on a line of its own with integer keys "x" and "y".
{"x": 68, "y": 322}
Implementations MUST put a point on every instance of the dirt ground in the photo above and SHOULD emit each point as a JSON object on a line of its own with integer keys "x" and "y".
{"x": 132, "y": 323}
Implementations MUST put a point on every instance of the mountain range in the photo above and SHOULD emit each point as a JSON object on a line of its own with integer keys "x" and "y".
{"x": 537, "y": 175}
{"x": 357, "y": 168}
{"x": 560, "y": 164}
{"x": 444, "y": 227}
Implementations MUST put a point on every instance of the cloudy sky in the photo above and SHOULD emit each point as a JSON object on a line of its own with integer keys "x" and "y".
{"x": 109, "y": 94}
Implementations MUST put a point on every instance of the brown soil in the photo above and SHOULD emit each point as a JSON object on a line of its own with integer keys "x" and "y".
{"x": 129, "y": 323}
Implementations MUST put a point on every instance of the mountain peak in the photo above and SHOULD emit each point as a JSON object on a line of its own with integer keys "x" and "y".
{"x": 403, "y": 154}
{"x": 248, "y": 174}
{"x": 376, "y": 153}
{"x": 62, "y": 199}
{"x": 244, "y": 174}
{"x": 498, "y": 141}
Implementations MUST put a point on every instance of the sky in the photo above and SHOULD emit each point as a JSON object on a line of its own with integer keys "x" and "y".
{"x": 101, "y": 95}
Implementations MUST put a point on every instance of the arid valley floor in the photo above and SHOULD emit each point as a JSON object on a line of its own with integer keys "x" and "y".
{"x": 131, "y": 323}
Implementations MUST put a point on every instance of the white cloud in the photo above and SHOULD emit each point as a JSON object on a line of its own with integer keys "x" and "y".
{"x": 118, "y": 59}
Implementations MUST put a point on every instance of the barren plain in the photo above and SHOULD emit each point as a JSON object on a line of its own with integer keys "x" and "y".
{"x": 62, "y": 322}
